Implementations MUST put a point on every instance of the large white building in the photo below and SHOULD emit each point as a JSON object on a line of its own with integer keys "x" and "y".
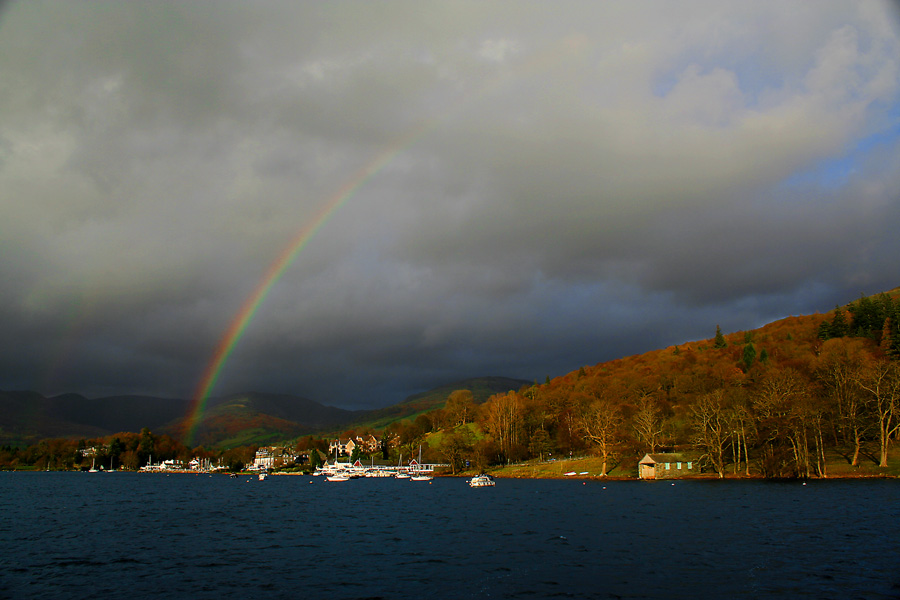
{"x": 271, "y": 457}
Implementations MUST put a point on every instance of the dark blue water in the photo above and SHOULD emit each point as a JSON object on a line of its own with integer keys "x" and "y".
{"x": 105, "y": 535}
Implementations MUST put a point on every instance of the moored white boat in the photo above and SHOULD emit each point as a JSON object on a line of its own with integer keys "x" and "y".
{"x": 337, "y": 477}
{"x": 379, "y": 473}
{"x": 481, "y": 481}
{"x": 418, "y": 472}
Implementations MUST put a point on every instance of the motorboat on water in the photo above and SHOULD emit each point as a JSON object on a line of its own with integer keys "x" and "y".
{"x": 263, "y": 476}
{"x": 481, "y": 481}
{"x": 337, "y": 477}
{"x": 421, "y": 477}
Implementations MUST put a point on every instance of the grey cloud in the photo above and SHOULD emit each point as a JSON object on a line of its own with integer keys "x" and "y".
{"x": 552, "y": 186}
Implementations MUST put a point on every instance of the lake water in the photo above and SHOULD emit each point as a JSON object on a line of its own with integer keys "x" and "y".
{"x": 105, "y": 535}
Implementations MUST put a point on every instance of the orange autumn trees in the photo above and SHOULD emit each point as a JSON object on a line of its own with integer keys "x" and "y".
{"x": 778, "y": 401}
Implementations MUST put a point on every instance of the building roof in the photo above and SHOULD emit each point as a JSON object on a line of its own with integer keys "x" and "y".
{"x": 665, "y": 457}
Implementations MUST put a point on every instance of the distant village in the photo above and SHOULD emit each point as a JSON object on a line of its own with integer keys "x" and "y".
{"x": 267, "y": 458}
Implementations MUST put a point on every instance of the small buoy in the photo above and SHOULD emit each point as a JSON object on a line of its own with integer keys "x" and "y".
{"x": 604, "y": 487}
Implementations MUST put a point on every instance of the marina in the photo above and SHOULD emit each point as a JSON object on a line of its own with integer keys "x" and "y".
{"x": 344, "y": 471}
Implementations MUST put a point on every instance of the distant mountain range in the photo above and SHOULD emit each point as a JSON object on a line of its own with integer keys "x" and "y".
{"x": 26, "y": 417}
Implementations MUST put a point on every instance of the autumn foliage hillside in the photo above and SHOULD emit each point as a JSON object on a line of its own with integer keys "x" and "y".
{"x": 783, "y": 401}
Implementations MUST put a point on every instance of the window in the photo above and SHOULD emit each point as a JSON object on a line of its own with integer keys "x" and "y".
{"x": 678, "y": 466}
{"x": 689, "y": 466}
{"x": 667, "y": 466}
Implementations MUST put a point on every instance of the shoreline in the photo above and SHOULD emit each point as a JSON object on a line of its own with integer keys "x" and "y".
{"x": 501, "y": 475}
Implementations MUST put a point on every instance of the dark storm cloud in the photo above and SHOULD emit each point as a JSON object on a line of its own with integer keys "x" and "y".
{"x": 565, "y": 185}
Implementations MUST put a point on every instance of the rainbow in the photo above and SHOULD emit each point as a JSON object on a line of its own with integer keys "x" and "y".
{"x": 240, "y": 322}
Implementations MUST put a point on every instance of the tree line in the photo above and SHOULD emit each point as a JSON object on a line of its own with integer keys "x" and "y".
{"x": 781, "y": 401}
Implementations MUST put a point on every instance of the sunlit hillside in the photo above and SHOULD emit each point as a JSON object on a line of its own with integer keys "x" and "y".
{"x": 781, "y": 400}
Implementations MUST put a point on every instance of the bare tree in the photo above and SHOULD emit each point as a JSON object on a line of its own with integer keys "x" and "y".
{"x": 711, "y": 426}
{"x": 881, "y": 382}
{"x": 648, "y": 422}
{"x": 782, "y": 420}
{"x": 739, "y": 422}
{"x": 601, "y": 422}
{"x": 504, "y": 421}
{"x": 838, "y": 370}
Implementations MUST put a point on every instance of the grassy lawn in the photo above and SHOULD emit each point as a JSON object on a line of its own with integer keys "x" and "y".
{"x": 589, "y": 467}
{"x": 839, "y": 466}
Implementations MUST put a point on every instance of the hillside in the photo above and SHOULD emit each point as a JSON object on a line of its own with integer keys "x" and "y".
{"x": 694, "y": 367}
{"x": 27, "y": 417}
{"x": 258, "y": 418}
{"x": 482, "y": 388}
{"x": 793, "y": 398}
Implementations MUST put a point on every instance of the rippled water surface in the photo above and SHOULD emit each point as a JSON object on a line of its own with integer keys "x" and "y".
{"x": 105, "y": 535}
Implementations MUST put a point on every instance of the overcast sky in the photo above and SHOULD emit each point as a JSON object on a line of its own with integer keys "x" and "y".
{"x": 566, "y": 183}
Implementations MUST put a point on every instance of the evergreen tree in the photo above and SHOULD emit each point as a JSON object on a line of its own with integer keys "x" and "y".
{"x": 720, "y": 339}
{"x": 886, "y": 336}
{"x": 892, "y": 332}
{"x": 868, "y": 317}
{"x": 749, "y": 356}
{"x": 838, "y": 323}
{"x": 887, "y": 308}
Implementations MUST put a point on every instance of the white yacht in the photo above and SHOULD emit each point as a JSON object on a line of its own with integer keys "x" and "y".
{"x": 481, "y": 481}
